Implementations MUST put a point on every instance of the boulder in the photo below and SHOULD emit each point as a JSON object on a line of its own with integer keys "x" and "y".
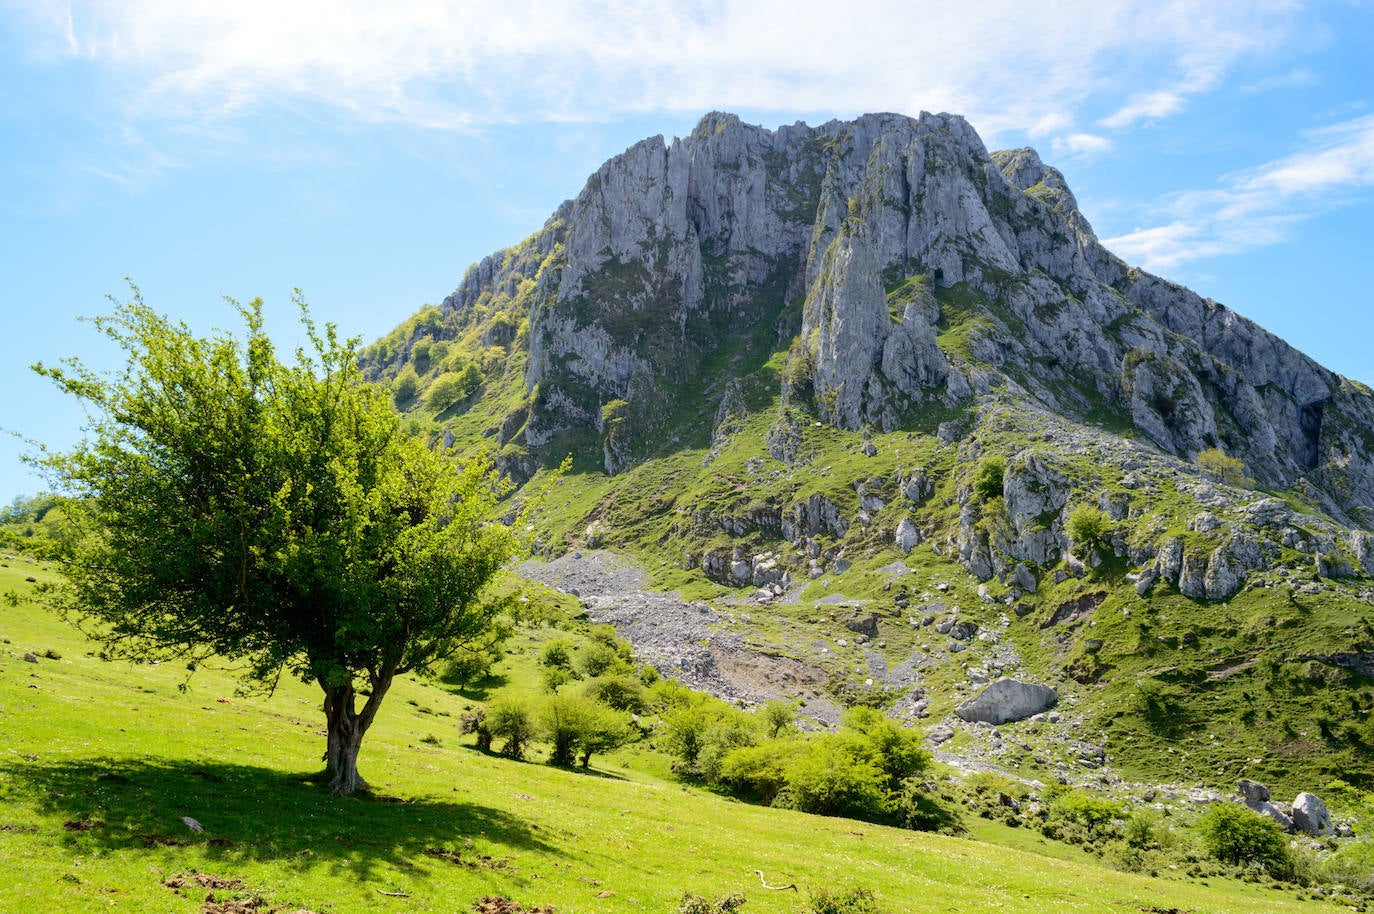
{"x": 1310, "y": 816}
{"x": 1007, "y": 700}
{"x": 1252, "y": 791}
{"x": 907, "y": 536}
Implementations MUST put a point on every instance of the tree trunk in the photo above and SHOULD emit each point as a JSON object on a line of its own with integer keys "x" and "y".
{"x": 345, "y": 728}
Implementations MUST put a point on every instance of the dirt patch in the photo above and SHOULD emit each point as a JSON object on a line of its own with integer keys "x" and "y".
{"x": 497, "y": 904}
{"x": 201, "y": 880}
{"x": 81, "y": 824}
{"x": 484, "y": 861}
{"x": 1075, "y": 610}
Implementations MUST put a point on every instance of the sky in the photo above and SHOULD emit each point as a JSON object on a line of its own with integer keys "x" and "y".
{"x": 367, "y": 153}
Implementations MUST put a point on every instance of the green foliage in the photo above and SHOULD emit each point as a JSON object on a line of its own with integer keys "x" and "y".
{"x": 856, "y": 900}
{"x": 1093, "y": 813}
{"x": 894, "y": 749}
{"x": 467, "y": 666}
{"x": 557, "y": 652}
{"x": 695, "y": 904}
{"x": 622, "y": 691}
{"x": 777, "y": 717}
{"x": 1229, "y": 470}
{"x": 405, "y": 387}
{"x": 829, "y": 779}
{"x": 760, "y": 770}
{"x": 1086, "y": 526}
{"x": 1233, "y": 834}
{"x": 271, "y": 514}
{"x": 452, "y": 387}
{"x": 510, "y": 719}
{"x": 598, "y": 658}
{"x": 475, "y": 722}
{"x": 987, "y": 478}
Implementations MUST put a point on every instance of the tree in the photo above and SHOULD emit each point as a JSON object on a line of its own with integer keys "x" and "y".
{"x": 1086, "y": 526}
{"x": 1229, "y": 470}
{"x": 275, "y": 515}
{"x": 1233, "y": 834}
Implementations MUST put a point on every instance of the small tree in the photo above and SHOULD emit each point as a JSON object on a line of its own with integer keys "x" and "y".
{"x": 1087, "y": 525}
{"x": 1233, "y": 834}
{"x": 777, "y": 716}
{"x": 272, "y": 514}
{"x": 563, "y": 720}
{"x": 510, "y": 720}
{"x": 1229, "y": 470}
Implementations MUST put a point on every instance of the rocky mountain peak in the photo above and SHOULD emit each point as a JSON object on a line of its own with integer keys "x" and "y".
{"x": 883, "y": 267}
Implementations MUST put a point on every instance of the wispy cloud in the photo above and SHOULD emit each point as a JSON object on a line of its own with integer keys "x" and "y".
{"x": 1000, "y": 62}
{"x": 1145, "y": 107}
{"x": 1259, "y": 206}
{"x": 1081, "y": 144}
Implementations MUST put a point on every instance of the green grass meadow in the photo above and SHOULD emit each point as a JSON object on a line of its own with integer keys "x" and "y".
{"x": 100, "y": 762}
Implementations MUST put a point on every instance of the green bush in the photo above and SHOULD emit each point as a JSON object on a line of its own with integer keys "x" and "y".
{"x": 475, "y": 721}
{"x": 856, "y": 900}
{"x": 597, "y": 659}
{"x": 468, "y": 666}
{"x": 510, "y": 719}
{"x": 1086, "y": 526}
{"x": 406, "y": 385}
{"x": 830, "y": 781}
{"x": 777, "y": 717}
{"x": 557, "y": 652}
{"x": 621, "y": 691}
{"x": 987, "y": 478}
{"x": 760, "y": 770}
{"x": 1228, "y": 470}
{"x": 695, "y": 904}
{"x": 1233, "y": 834}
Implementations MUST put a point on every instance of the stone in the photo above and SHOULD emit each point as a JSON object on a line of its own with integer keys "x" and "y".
{"x": 1252, "y": 791}
{"x": 1311, "y": 817}
{"x": 907, "y": 536}
{"x": 1006, "y": 700}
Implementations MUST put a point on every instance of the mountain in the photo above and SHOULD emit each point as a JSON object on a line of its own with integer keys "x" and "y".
{"x": 858, "y": 360}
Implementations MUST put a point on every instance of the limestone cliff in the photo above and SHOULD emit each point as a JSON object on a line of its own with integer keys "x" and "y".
{"x": 901, "y": 268}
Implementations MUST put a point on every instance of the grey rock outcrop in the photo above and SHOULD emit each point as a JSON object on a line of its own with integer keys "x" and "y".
{"x": 909, "y": 268}
{"x": 1006, "y": 700}
{"x": 1311, "y": 817}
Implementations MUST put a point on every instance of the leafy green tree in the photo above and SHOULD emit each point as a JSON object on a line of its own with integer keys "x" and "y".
{"x": 777, "y": 717}
{"x": 273, "y": 514}
{"x": 1230, "y": 470}
{"x": 452, "y": 387}
{"x": 405, "y": 387}
{"x": 510, "y": 719}
{"x": 1086, "y": 526}
{"x": 987, "y": 478}
{"x": 1233, "y": 834}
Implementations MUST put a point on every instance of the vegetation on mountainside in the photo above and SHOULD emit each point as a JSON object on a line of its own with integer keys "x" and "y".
{"x": 106, "y": 758}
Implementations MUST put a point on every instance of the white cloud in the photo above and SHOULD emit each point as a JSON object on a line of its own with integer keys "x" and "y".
{"x": 1150, "y": 106}
{"x": 1259, "y": 207}
{"x": 1081, "y": 144}
{"x": 1002, "y": 63}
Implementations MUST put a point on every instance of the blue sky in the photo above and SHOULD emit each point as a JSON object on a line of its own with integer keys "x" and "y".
{"x": 367, "y": 153}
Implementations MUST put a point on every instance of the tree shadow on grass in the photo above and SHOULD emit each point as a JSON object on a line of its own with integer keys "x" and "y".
{"x": 254, "y": 813}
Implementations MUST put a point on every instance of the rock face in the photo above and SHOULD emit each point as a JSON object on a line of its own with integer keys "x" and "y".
{"x": 906, "y": 268}
{"x": 1311, "y": 817}
{"x": 1007, "y": 700}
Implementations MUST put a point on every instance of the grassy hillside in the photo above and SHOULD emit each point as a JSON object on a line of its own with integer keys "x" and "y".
{"x": 102, "y": 761}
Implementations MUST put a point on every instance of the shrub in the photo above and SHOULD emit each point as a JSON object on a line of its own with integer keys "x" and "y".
{"x": 621, "y": 692}
{"x": 1229, "y": 470}
{"x": 1086, "y": 526}
{"x": 475, "y": 721}
{"x": 695, "y": 904}
{"x": 557, "y": 653}
{"x": 1233, "y": 834}
{"x": 857, "y": 900}
{"x": 987, "y": 478}
{"x": 920, "y": 807}
{"x": 562, "y": 722}
{"x": 894, "y": 750}
{"x": 1094, "y": 814}
{"x": 597, "y": 658}
{"x": 406, "y": 385}
{"x": 827, "y": 780}
{"x": 451, "y": 387}
{"x": 777, "y": 717}
{"x": 467, "y": 667}
{"x": 510, "y": 720}
{"x": 760, "y": 770}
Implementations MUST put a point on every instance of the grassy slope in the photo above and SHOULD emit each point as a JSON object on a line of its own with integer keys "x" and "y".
{"x": 122, "y": 749}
